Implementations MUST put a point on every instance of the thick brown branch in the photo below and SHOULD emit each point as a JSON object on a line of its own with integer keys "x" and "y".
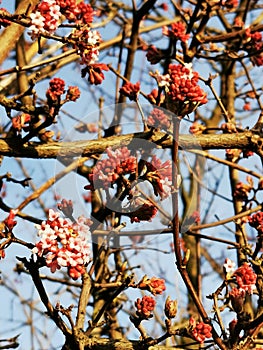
{"x": 13, "y": 148}
{"x": 12, "y": 33}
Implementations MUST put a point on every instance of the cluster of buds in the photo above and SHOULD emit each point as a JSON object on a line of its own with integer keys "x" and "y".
{"x": 120, "y": 162}
{"x": 244, "y": 277}
{"x": 155, "y": 97}
{"x": 45, "y": 17}
{"x": 124, "y": 170}
{"x": 183, "y": 94}
{"x": 177, "y": 31}
{"x": 57, "y": 89}
{"x": 254, "y": 45}
{"x": 158, "y": 119}
{"x": 130, "y": 90}
{"x": 107, "y": 171}
{"x": 199, "y": 331}
{"x": 154, "y": 285}
{"x": 144, "y": 307}
{"x": 7, "y": 226}
{"x": 86, "y": 42}
{"x": 64, "y": 244}
{"x": 76, "y": 11}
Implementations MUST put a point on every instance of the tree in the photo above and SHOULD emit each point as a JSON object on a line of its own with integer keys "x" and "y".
{"x": 131, "y": 176}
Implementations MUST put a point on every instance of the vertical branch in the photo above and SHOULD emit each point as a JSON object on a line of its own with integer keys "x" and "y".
{"x": 175, "y": 220}
{"x": 22, "y": 79}
{"x": 13, "y": 32}
{"x": 132, "y": 48}
{"x": 180, "y": 262}
{"x": 198, "y": 241}
{"x": 83, "y": 300}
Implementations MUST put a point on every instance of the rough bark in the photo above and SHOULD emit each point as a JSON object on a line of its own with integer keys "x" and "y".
{"x": 14, "y": 148}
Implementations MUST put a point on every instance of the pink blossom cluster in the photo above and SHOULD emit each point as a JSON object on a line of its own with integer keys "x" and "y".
{"x": 145, "y": 306}
{"x": 120, "y": 162}
{"x": 108, "y": 171}
{"x": 200, "y": 331}
{"x": 64, "y": 244}
{"x": 183, "y": 94}
{"x": 184, "y": 84}
{"x": 245, "y": 278}
{"x": 177, "y": 31}
{"x": 76, "y": 11}
{"x": 158, "y": 119}
{"x": 86, "y": 42}
{"x": 47, "y": 14}
{"x": 45, "y": 18}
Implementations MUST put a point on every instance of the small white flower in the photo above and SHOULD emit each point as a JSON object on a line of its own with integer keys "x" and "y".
{"x": 229, "y": 266}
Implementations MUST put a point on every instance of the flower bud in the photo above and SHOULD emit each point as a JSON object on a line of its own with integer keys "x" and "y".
{"x": 170, "y": 308}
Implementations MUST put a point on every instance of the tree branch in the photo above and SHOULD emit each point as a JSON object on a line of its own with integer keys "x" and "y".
{"x": 87, "y": 148}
